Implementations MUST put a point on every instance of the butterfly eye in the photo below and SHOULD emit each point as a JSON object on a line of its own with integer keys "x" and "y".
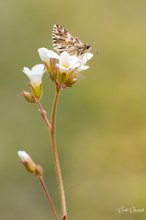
{"x": 88, "y": 47}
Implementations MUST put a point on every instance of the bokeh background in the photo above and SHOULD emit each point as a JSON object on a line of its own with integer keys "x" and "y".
{"x": 101, "y": 123}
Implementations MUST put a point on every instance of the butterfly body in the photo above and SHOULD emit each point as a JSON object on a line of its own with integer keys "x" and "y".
{"x": 64, "y": 41}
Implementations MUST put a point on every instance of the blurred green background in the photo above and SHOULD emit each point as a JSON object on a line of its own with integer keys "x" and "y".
{"x": 101, "y": 124}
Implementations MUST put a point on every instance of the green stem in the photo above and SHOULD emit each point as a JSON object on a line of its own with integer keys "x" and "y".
{"x": 55, "y": 155}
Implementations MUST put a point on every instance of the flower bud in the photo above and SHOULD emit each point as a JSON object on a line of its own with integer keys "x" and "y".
{"x": 29, "y": 163}
{"x": 69, "y": 82}
{"x": 28, "y": 96}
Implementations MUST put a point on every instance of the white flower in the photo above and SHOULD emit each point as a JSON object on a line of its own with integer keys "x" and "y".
{"x": 64, "y": 68}
{"x": 67, "y": 63}
{"x": 35, "y": 74}
{"x": 46, "y": 54}
{"x": 83, "y": 59}
{"x": 24, "y": 157}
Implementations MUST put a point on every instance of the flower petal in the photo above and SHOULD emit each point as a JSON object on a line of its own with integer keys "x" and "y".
{"x": 86, "y": 57}
{"x": 81, "y": 68}
{"x": 24, "y": 157}
{"x": 62, "y": 68}
{"x": 27, "y": 71}
{"x": 89, "y": 55}
{"x": 38, "y": 69}
{"x": 65, "y": 59}
{"x": 46, "y": 54}
{"x": 35, "y": 74}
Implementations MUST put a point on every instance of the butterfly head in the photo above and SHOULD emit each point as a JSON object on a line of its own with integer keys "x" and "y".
{"x": 88, "y": 47}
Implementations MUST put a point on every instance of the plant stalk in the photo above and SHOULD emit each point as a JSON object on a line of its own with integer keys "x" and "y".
{"x": 52, "y": 131}
{"x": 48, "y": 197}
{"x": 43, "y": 114}
{"x": 55, "y": 155}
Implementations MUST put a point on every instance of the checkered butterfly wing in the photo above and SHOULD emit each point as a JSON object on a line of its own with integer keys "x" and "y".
{"x": 64, "y": 41}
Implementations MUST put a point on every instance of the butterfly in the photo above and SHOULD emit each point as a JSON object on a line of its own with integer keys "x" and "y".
{"x": 64, "y": 41}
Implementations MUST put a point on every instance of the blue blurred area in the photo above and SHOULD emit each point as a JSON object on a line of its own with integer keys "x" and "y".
{"x": 101, "y": 122}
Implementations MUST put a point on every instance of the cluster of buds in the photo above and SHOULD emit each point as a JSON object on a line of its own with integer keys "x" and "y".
{"x": 63, "y": 69}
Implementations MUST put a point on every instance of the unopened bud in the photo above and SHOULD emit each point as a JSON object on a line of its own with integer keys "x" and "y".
{"x": 29, "y": 163}
{"x": 69, "y": 82}
{"x": 28, "y": 96}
